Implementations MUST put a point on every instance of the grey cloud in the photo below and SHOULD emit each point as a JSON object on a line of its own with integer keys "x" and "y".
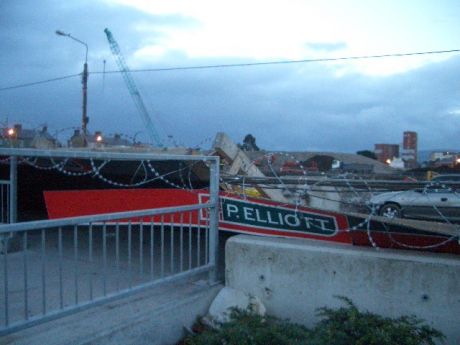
{"x": 28, "y": 31}
{"x": 287, "y": 107}
{"x": 298, "y": 108}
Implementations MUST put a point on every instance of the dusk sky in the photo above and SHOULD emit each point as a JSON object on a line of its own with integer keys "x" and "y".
{"x": 345, "y": 105}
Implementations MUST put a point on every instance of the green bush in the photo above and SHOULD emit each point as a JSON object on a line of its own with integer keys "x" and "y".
{"x": 246, "y": 328}
{"x": 343, "y": 326}
{"x": 348, "y": 325}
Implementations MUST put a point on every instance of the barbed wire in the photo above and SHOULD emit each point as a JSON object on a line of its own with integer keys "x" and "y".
{"x": 183, "y": 172}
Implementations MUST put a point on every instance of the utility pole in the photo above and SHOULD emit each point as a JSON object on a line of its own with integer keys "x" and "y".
{"x": 84, "y": 81}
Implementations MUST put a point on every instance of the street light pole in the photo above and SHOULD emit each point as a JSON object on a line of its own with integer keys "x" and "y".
{"x": 84, "y": 81}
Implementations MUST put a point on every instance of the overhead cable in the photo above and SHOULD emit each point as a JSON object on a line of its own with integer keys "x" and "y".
{"x": 39, "y": 82}
{"x": 263, "y": 63}
{"x": 246, "y": 64}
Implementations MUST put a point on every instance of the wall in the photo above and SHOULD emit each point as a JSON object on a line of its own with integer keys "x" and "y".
{"x": 295, "y": 277}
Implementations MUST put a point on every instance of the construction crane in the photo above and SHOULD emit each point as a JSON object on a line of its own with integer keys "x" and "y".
{"x": 133, "y": 91}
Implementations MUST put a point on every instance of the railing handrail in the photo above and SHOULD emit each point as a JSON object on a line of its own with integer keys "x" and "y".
{"x": 43, "y": 224}
{"x": 120, "y": 260}
{"x": 95, "y": 154}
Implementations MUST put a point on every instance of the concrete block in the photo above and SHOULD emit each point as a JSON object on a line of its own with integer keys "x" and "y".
{"x": 294, "y": 277}
{"x": 240, "y": 163}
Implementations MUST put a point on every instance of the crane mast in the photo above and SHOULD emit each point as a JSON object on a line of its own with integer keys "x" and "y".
{"x": 133, "y": 91}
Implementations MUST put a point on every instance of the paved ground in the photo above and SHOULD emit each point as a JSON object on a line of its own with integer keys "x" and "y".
{"x": 156, "y": 316}
{"x": 88, "y": 267}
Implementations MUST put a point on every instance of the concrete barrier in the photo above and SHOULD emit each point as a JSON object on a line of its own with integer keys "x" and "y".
{"x": 295, "y": 277}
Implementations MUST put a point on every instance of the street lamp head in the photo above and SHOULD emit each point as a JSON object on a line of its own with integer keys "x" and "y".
{"x": 61, "y": 33}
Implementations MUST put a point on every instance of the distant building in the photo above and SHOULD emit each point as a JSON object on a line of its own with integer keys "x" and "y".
{"x": 27, "y": 138}
{"x": 295, "y": 163}
{"x": 96, "y": 140}
{"x": 100, "y": 140}
{"x": 386, "y": 152}
{"x": 43, "y": 140}
{"x": 117, "y": 140}
{"x": 77, "y": 139}
{"x": 356, "y": 168}
{"x": 444, "y": 159}
{"x": 439, "y": 155}
{"x": 409, "y": 152}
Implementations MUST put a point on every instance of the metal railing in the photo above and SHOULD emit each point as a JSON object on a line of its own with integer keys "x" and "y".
{"x": 55, "y": 267}
{"x": 4, "y": 201}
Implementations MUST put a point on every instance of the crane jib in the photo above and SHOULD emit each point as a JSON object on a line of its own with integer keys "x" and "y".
{"x": 133, "y": 91}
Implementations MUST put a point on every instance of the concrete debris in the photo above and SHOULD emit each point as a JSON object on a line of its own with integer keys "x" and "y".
{"x": 226, "y": 300}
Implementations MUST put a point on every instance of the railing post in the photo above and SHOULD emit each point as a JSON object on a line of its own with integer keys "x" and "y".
{"x": 6, "y": 240}
{"x": 214, "y": 174}
{"x": 13, "y": 195}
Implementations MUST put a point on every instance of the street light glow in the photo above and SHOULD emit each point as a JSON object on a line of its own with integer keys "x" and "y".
{"x": 11, "y": 132}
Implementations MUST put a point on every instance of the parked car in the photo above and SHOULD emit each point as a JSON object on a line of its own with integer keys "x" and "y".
{"x": 434, "y": 202}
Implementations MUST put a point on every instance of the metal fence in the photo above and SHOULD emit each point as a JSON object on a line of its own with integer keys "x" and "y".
{"x": 4, "y": 201}
{"x": 53, "y": 267}
{"x": 8, "y": 190}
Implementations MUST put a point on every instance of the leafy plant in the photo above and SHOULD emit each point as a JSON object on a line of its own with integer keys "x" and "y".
{"x": 247, "y": 328}
{"x": 347, "y": 325}
{"x": 343, "y": 326}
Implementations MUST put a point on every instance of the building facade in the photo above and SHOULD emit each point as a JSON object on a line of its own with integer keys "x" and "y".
{"x": 386, "y": 152}
{"x": 438, "y": 155}
{"x": 409, "y": 152}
